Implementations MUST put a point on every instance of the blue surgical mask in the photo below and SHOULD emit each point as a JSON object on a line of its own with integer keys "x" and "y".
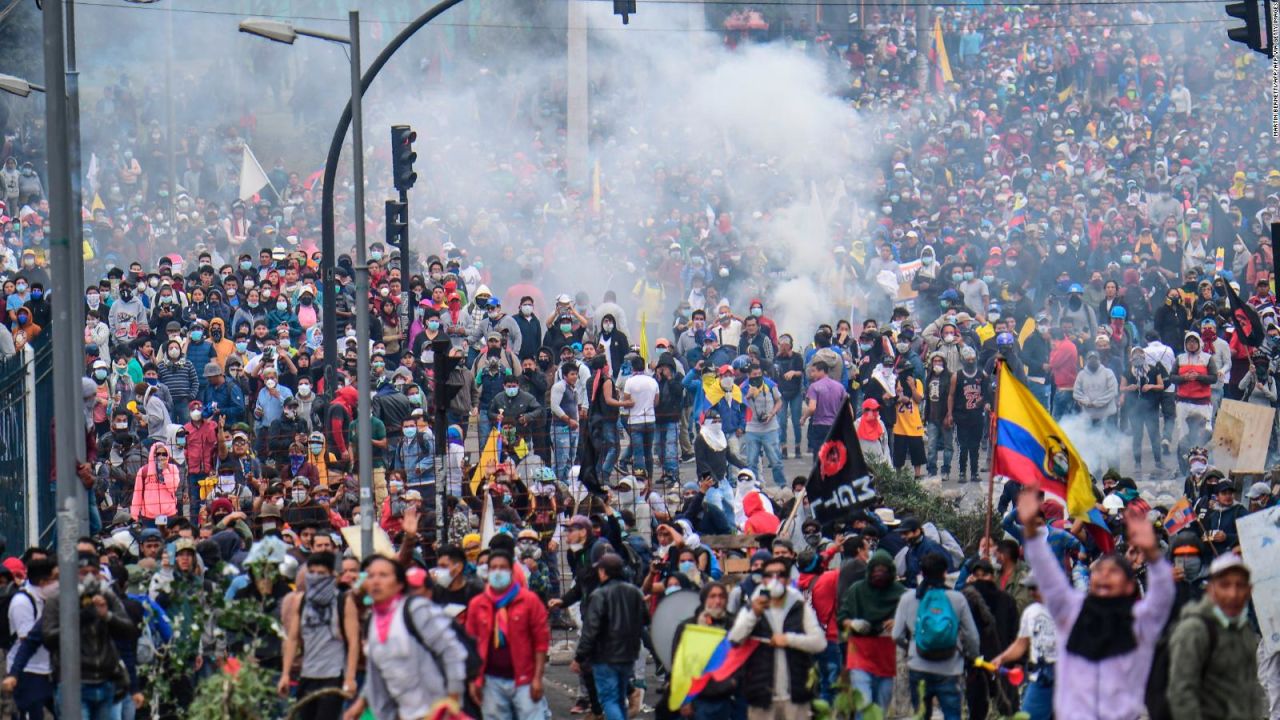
{"x": 197, "y": 335}
{"x": 433, "y": 325}
{"x": 511, "y": 391}
{"x": 671, "y": 590}
{"x": 246, "y": 264}
{"x": 500, "y": 579}
{"x": 686, "y": 566}
{"x": 410, "y": 431}
{"x": 242, "y": 346}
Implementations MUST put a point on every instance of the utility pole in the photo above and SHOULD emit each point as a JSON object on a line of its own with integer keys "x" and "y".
{"x": 69, "y": 426}
{"x": 364, "y": 403}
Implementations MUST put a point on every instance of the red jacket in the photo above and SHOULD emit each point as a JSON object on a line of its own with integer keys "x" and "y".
{"x": 825, "y": 600}
{"x": 527, "y": 631}
{"x": 202, "y": 447}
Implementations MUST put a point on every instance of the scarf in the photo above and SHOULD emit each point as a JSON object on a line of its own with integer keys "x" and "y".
{"x": 713, "y": 434}
{"x": 383, "y": 613}
{"x": 318, "y": 601}
{"x": 1207, "y": 336}
{"x": 1104, "y": 629}
{"x": 501, "y": 619}
{"x": 869, "y": 427}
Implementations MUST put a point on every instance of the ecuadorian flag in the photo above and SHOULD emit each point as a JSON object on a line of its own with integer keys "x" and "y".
{"x": 1032, "y": 449}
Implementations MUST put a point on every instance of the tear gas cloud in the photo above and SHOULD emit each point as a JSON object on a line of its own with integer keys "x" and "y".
{"x": 759, "y": 130}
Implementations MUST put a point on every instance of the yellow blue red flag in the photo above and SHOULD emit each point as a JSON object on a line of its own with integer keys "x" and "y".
{"x": 1033, "y": 450}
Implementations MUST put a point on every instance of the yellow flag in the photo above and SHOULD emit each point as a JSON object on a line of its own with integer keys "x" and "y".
{"x": 697, "y": 644}
{"x": 1066, "y": 93}
{"x": 97, "y": 203}
{"x": 944, "y": 64}
{"x": 644, "y": 337}
{"x": 488, "y": 459}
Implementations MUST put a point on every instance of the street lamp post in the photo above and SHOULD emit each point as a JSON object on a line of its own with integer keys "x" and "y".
{"x": 286, "y": 33}
{"x": 64, "y": 255}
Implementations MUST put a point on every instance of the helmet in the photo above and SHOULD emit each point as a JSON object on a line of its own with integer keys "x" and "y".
{"x": 949, "y": 295}
{"x": 1119, "y": 312}
{"x": 1075, "y": 288}
{"x": 546, "y": 474}
{"x": 1005, "y": 338}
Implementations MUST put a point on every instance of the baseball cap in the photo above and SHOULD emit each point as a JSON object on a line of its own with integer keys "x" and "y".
{"x": 579, "y": 521}
{"x": 1227, "y": 562}
{"x": 611, "y": 562}
{"x": 1258, "y": 490}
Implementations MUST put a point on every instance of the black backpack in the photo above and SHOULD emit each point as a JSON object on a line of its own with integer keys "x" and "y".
{"x": 468, "y": 643}
{"x": 1158, "y": 681}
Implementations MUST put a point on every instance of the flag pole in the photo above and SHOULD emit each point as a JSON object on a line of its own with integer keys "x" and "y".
{"x": 991, "y": 475}
{"x": 786, "y": 524}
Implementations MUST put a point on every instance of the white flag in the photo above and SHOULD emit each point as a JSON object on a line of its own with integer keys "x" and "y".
{"x": 486, "y": 520}
{"x": 252, "y": 176}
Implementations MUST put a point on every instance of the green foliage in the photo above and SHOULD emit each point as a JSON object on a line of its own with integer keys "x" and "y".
{"x": 205, "y": 624}
{"x": 902, "y": 492}
{"x": 240, "y": 691}
{"x": 848, "y": 702}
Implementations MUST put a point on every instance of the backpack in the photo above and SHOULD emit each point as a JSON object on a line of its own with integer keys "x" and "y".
{"x": 468, "y": 644}
{"x": 1158, "y": 681}
{"x": 7, "y": 634}
{"x": 937, "y": 628}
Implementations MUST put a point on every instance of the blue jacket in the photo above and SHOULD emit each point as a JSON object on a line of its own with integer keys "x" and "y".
{"x": 915, "y": 553}
{"x": 200, "y": 353}
{"x": 229, "y": 398}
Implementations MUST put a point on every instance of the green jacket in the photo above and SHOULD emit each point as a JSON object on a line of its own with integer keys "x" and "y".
{"x": 1222, "y": 685}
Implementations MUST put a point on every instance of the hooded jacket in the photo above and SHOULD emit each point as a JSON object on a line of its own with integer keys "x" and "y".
{"x": 759, "y": 520}
{"x": 155, "y": 493}
{"x": 341, "y": 412}
{"x": 223, "y": 348}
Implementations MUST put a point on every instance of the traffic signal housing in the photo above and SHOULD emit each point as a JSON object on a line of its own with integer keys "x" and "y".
{"x": 397, "y": 224}
{"x": 1251, "y": 33}
{"x": 403, "y": 156}
{"x": 625, "y": 8}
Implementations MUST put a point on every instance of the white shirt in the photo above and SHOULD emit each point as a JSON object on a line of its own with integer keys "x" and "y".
{"x": 1037, "y": 626}
{"x": 643, "y": 390}
{"x": 23, "y": 616}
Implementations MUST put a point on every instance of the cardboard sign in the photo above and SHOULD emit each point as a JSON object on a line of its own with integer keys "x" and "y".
{"x": 1241, "y": 436}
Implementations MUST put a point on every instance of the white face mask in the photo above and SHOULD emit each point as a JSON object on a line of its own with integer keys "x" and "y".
{"x": 299, "y": 496}
{"x": 304, "y": 390}
{"x": 776, "y": 588}
{"x": 526, "y": 310}
{"x": 271, "y": 384}
{"x": 726, "y": 383}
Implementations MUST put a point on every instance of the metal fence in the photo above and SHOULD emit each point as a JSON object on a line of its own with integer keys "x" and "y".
{"x": 26, "y": 400}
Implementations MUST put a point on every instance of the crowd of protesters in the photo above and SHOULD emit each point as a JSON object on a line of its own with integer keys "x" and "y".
{"x": 1077, "y": 204}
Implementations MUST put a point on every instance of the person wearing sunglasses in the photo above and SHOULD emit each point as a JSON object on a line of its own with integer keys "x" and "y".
{"x": 155, "y": 489}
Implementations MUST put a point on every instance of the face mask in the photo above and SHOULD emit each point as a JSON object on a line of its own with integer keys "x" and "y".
{"x": 1060, "y": 249}
{"x": 575, "y": 546}
{"x": 126, "y": 295}
{"x": 196, "y": 415}
{"x": 299, "y": 496}
{"x": 968, "y": 274}
{"x": 415, "y": 398}
{"x": 988, "y": 279}
{"x": 92, "y": 299}
{"x": 756, "y": 382}
{"x": 152, "y": 381}
{"x": 726, "y": 383}
{"x": 441, "y": 576}
{"x": 121, "y": 426}
{"x": 271, "y": 384}
{"x": 511, "y": 391}
{"x": 351, "y": 332}
{"x": 375, "y": 254}
{"x": 499, "y": 580}
{"x": 316, "y": 448}
{"x": 482, "y": 572}
{"x": 957, "y": 277}
{"x": 433, "y": 325}
{"x": 1198, "y": 467}
{"x": 410, "y": 431}
{"x": 565, "y": 327}
{"x": 757, "y": 312}
{"x": 526, "y": 310}
{"x": 100, "y": 375}
{"x": 23, "y": 318}
{"x": 776, "y": 588}
{"x": 122, "y": 369}
{"x": 379, "y": 366}
{"x": 281, "y": 305}
{"x": 607, "y": 327}
{"x": 304, "y": 389}
{"x": 939, "y": 367}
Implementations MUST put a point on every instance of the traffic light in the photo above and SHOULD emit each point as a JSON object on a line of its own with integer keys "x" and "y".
{"x": 443, "y": 365}
{"x": 403, "y": 156}
{"x": 625, "y": 8}
{"x": 1251, "y": 34}
{"x": 397, "y": 224}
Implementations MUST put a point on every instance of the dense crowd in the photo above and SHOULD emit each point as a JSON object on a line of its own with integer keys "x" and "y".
{"x": 1078, "y": 205}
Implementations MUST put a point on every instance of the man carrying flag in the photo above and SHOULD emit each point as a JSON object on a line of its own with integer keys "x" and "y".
{"x": 1031, "y": 447}
{"x": 701, "y": 643}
